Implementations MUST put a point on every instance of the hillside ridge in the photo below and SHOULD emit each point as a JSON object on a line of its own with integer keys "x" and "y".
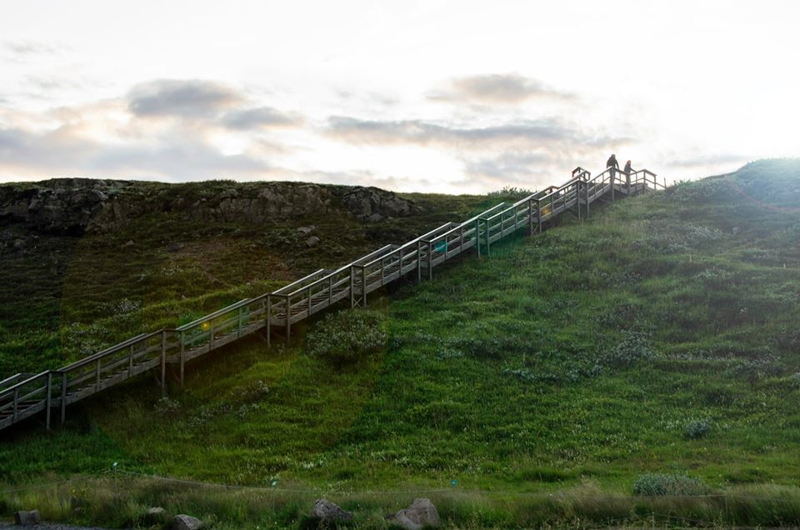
{"x": 77, "y": 206}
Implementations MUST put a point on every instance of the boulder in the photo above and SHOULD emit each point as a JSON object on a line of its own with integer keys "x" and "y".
{"x": 422, "y": 513}
{"x": 325, "y": 509}
{"x": 154, "y": 516}
{"x": 312, "y": 241}
{"x": 186, "y": 522}
{"x": 29, "y": 518}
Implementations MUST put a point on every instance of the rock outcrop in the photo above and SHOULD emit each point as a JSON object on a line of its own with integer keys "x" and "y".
{"x": 326, "y": 510}
{"x": 186, "y": 522}
{"x": 420, "y": 514}
{"x": 27, "y": 518}
{"x": 374, "y": 204}
{"x": 77, "y": 206}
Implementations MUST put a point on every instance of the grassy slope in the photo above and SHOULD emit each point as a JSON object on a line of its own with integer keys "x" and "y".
{"x": 582, "y": 353}
{"x": 67, "y": 297}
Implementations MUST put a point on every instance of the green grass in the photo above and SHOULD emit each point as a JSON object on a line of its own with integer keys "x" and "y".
{"x": 573, "y": 363}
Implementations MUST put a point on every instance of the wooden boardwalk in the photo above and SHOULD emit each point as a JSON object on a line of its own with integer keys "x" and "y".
{"x": 51, "y": 391}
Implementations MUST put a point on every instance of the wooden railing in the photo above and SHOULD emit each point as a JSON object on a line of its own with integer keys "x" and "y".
{"x": 23, "y": 395}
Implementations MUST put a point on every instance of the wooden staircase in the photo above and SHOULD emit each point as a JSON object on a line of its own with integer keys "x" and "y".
{"x": 24, "y": 395}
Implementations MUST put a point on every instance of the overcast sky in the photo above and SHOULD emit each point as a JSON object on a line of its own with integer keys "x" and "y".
{"x": 430, "y": 95}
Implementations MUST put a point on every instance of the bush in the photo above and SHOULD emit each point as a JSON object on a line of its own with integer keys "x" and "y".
{"x": 659, "y": 484}
{"x": 346, "y": 337}
{"x": 633, "y": 348}
{"x": 698, "y": 428}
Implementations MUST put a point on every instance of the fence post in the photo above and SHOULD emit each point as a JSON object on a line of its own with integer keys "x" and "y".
{"x": 130, "y": 361}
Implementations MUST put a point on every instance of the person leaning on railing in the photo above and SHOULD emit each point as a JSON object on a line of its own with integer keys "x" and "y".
{"x": 628, "y": 169}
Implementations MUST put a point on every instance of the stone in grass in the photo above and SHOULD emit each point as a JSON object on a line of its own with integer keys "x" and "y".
{"x": 422, "y": 513}
{"x": 155, "y": 515}
{"x": 186, "y": 522}
{"x": 27, "y": 518}
{"x": 325, "y": 509}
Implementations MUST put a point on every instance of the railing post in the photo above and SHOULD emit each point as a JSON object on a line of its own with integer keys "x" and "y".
{"x": 183, "y": 355}
{"x": 130, "y": 362}
{"x": 269, "y": 320}
{"x": 211, "y": 335}
{"x": 587, "y": 200}
{"x": 363, "y": 286}
{"x": 288, "y": 320}
{"x": 97, "y": 381}
{"x": 330, "y": 291}
{"x": 15, "y": 405}
{"x": 419, "y": 261}
{"x": 489, "y": 237}
{"x": 539, "y": 215}
{"x": 430, "y": 260}
{"x": 49, "y": 397}
{"x": 611, "y": 173}
{"x": 478, "y": 237}
{"x": 309, "y": 301}
{"x": 63, "y": 397}
{"x": 163, "y": 361}
{"x": 530, "y": 217}
{"x": 352, "y": 287}
{"x": 239, "y": 324}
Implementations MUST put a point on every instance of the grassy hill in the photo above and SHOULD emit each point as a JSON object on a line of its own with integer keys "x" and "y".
{"x": 656, "y": 342}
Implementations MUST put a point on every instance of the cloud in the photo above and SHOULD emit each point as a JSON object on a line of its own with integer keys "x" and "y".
{"x": 182, "y": 98}
{"x": 424, "y": 133}
{"x": 65, "y": 151}
{"x": 31, "y": 48}
{"x": 255, "y": 118}
{"x": 508, "y": 89}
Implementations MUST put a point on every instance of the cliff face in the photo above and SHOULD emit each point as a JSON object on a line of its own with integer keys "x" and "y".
{"x": 78, "y": 206}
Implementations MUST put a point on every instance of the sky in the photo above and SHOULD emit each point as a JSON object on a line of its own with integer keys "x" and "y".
{"x": 429, "y": 96}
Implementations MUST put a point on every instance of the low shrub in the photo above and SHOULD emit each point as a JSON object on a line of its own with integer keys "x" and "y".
{"x": 347, "y": 337}
{"x": 698, "y": 428}
{"x": 660, "y": 484}
{"x": 633, "y": 348}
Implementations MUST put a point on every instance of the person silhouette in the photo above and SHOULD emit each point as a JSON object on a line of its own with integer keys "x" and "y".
{"x": 612, "y": 162}
{"x": 628, "y": 169}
